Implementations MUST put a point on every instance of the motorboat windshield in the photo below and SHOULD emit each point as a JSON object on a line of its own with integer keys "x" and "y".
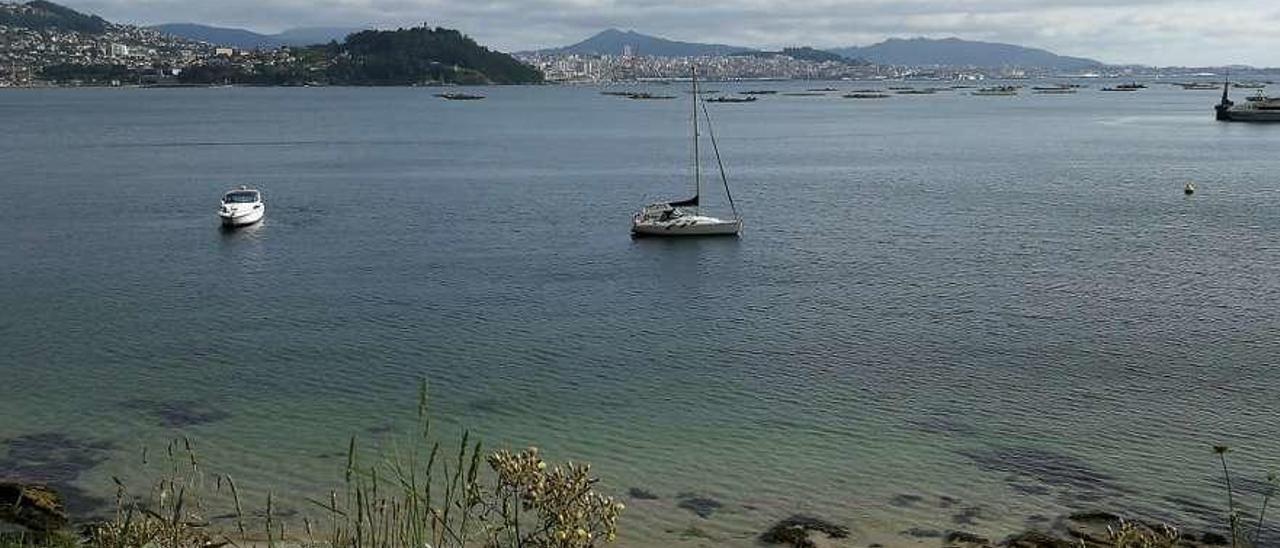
{"x": 240, "y": 197}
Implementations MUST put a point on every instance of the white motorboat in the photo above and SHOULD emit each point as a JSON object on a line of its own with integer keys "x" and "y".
{"x": 684, "y": 217}
{"x": 241, "y": 207}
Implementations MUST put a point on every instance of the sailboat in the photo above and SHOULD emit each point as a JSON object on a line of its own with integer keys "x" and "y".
{"x": 684, "y": 217}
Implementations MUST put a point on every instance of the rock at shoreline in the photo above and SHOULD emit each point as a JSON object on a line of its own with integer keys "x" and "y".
{"x": 36, "y": 507}
{"x": 962, "y": 539}
{"x": 1091, "y": 526}
{"x": 794, "y": 531}
{"x": 1037, "y": 539}
{"x": 1093, "y": 530}
{"x": 56, "y": 460}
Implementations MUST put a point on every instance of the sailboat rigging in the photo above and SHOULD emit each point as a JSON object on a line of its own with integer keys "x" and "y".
{"x": 675, "y": 218}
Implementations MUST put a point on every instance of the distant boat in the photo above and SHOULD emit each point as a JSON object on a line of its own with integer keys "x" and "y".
{"x": 459, "y": 96}
{"x": 822, "y": 89}
{"x": 684, "y": 217}
{"x": 1199, "y": 86}
{"x": 649, "y": 96}
{"x": 241, "y": 207}
{"x": 1126, "y": 87}
{"x": 865, "y": 95}
{"x": 724, "y": 99}
{"x": 997, "y": 91}
{"x": 1189, "y": 189}
{"x": 1258, "y": 108}
{"x": 759, "y": 92}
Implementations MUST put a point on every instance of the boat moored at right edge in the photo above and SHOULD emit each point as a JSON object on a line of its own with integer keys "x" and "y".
{"x": 1259, "y": 108}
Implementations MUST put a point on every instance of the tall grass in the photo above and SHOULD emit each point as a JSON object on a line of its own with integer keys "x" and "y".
{"x": 431, "y": 494}
{"x": 1240, "y": 538}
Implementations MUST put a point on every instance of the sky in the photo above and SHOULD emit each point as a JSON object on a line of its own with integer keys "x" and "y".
{"x": 1149, "y": 32}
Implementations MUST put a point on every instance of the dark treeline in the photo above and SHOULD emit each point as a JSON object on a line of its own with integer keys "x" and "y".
{"x": 419, "y": 55}
{"x": 47, "y": 15}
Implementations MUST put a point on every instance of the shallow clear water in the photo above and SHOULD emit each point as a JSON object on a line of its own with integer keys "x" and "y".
{"x": 1005, "y": 301}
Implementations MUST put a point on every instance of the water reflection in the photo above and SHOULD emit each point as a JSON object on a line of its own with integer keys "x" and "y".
{"x": 253, "y": 232}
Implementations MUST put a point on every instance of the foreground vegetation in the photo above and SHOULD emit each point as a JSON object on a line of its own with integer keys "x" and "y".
{"x": 425, "y": 494}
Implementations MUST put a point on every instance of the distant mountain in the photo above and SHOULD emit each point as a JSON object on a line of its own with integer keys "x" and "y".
{"x": 957, "y": 52}
{"x": 42, "y": 15}
{"x": 616, "y": 42}
{"x": 240, "y": 38}
{"x": 306, "y": 36}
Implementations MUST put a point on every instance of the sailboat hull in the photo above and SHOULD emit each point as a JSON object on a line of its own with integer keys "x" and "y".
{"x": 687, "y": 226}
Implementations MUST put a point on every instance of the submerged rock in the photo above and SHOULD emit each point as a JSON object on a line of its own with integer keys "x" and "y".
{"x": 1029, "y": 466}
{"x": 920, "y": 532}
{"x": 1209, "y": 538}
{"x": 905, "y": 500}
{"x": 794, "y": 531}
{"x": 702, "y": 506}
{"x": 641, "y": 494}
{"x": 178, "y": 413}
{"x": 36, "y": 507}
{"x": 967, "y": 516}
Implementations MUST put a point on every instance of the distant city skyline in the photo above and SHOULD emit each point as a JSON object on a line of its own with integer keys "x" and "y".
{"x": 1149, "y": 32}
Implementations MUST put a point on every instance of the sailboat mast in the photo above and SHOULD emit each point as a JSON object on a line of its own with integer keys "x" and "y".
{"x": 711, "y": 132}
{"x": 697, "y": 158}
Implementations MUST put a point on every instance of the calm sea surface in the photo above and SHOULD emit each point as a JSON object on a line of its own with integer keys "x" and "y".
{"x": 947, "y": 311}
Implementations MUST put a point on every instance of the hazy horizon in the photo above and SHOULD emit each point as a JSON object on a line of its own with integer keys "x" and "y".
{"x": 1146, "y": 32}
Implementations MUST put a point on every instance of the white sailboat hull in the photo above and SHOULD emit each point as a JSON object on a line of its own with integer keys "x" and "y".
{"x": 687, "y": 226}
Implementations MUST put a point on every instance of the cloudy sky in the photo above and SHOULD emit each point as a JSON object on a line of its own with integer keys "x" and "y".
{"x": 1156, "y": 32}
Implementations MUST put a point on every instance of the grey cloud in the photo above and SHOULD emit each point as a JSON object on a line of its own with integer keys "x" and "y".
{"x": 1191, "y": 32}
